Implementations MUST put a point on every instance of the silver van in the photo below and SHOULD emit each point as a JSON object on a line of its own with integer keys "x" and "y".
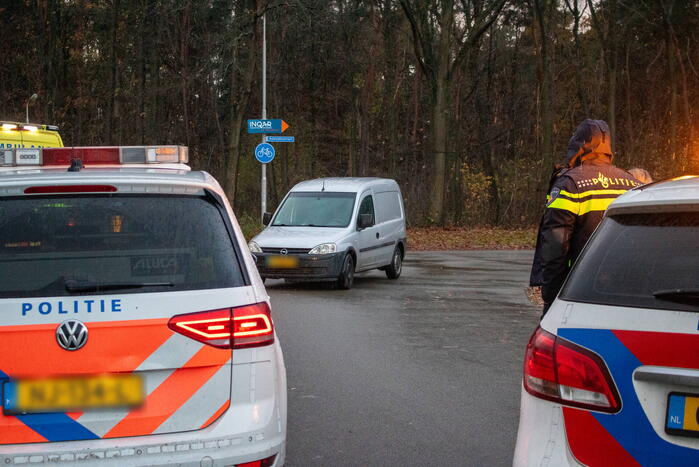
{"x": 329, "y": 228}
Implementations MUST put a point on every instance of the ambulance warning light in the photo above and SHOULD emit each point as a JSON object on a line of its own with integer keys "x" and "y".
{"x": 92, "y": 156}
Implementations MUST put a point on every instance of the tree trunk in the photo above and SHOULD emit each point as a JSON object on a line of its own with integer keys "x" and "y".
{"x": 440, "y": 109}
{"x": 235, "y": 130}
{"x": 630, "y": 146}
{"x": 238, "y": 106}
{"x": 112, "y": 109}
{"x": 439, "y": 147}
{"x": 184, "y": 74}
{"x": 673, "y": 100}
{"x": 578, "y": 72}
{"x": 542, "y": 15}
{"x": 142, "y": 71}
{"x": 611, "y": 98}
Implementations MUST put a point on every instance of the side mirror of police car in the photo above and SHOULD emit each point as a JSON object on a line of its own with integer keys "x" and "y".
{"x": 365, "y": 220}
{"x": 266, "y": 218}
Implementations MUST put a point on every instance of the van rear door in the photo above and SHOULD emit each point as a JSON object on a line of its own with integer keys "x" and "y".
{"x": 390, "y": 222}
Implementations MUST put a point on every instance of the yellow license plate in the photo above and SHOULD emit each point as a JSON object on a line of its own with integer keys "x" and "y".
{"x": 283, "y": 262}
{"x": 72, "y": 394}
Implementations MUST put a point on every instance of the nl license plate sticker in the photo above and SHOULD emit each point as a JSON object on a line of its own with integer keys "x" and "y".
{"x": 682, "y": 414}
{"x": 72, "y": 394}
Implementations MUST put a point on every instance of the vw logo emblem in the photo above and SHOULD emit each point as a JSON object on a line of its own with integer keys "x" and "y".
{"x": 71, "y": 335}
{"x": 283, "y": 251}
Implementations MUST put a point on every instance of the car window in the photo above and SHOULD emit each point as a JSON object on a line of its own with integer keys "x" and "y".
{"x": 388, "y": 204}
{"x": 639, "y": 260}
{"x": 367, "y": 207}
{"x": 316, "y": 209}
{"x": 51, "y": 244}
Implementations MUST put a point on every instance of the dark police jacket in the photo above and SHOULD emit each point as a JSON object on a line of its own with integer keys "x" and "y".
{"x": 576, "y": 204}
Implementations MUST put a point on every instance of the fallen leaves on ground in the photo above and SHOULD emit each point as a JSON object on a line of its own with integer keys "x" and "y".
{"x": 479, "y": 238}
{"x": 534, "y": 296}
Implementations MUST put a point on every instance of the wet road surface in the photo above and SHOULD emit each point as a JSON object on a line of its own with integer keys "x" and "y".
{"x": 424, "y": 370}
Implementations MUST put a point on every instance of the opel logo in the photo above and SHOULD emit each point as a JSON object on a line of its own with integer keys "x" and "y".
{"x": 71, "y": 335}
{"x": 283, "y": 251}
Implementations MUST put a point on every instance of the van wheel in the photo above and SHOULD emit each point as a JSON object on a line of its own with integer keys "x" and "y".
{"x": 394, "y": 269}
{"x": 346, "y": 278}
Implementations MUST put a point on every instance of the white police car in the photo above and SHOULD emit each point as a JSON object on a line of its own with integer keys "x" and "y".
{"x": 611, "y": 375}
{"x": 134, "y": 328}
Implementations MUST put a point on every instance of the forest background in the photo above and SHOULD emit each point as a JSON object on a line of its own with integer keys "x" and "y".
{"x": 467, "y": 103}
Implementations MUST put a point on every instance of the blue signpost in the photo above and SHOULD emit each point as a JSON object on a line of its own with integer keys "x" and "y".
{"x": 260, "y": 125}
{"x": 280, "y": 139}
{"x": 264, "y": 152}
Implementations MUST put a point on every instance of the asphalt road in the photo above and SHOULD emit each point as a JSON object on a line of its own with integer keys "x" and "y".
{"x": 424, "y": 370}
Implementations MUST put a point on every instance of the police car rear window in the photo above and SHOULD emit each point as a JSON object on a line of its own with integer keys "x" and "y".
{"x": 640, "y": 260}
{"x": 61, "y": 246}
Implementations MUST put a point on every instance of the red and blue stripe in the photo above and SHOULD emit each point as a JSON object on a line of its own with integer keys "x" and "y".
{"x": 627, "y": 438}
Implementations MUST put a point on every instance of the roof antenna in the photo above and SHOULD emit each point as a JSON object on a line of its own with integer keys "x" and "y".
{"x": 75, "y": 165}
{"x": 323, "y": 189}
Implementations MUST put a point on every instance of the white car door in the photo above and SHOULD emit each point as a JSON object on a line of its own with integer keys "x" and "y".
{"x": 368, "y": 237}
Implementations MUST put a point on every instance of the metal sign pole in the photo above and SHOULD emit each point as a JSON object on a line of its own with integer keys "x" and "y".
{"x": 263, "y": 191}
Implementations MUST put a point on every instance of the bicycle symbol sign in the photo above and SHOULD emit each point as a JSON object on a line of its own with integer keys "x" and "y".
{"x": 264, "y": 153}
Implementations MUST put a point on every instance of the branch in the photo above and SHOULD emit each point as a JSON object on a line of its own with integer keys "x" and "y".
{"x": 482, "y": 23}
{"x": 600, "y": 34}
{"x": 421, "y": 48}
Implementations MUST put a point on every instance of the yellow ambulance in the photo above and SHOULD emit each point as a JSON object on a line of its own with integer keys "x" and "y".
{"x": 29, "y": 135}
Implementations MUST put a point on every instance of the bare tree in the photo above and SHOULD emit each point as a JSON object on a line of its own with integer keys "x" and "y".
{"x": 441, "y": 45}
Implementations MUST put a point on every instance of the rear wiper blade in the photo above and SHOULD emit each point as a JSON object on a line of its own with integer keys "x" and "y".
{"x": 677, "y": 294}
{"x": 74, "y": 286}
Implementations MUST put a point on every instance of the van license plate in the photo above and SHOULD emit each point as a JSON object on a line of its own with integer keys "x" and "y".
{"x": 72, "y": 394}
{"x": 682, "y": 414}
{"x": 282, "y": 262}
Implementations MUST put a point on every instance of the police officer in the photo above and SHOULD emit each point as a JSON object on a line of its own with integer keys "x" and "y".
{"x": 580, "y": 192}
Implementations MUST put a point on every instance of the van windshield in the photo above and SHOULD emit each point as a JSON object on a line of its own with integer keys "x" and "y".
{"x": 61, "y": 246}
{"x": 316, "y": 209}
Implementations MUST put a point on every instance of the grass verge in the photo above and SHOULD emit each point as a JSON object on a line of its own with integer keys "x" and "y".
{"x": 477, "y": 238}
{"x": 250, "y": 225}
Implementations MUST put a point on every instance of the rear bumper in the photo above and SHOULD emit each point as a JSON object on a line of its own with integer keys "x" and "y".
{"x": 310, "y": 267}
{"x": 253, "y": 428}
{"x": 541, "y": 437}
{"x": 210, "y": 452}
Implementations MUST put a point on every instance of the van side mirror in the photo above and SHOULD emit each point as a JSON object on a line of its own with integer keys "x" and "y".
{"x": 266, "y": 218}
{"x": 365, "y": 220}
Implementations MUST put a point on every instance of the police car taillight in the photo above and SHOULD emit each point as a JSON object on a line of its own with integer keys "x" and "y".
{"x": 266, "y": 462}
{"x": 560, "y": 371}
{"x": 99, "y": 155}
{"x": 240, "y": 327}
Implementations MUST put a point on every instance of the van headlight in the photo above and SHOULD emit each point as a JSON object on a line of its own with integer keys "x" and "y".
{"x": 323, "y": 249}
{"x": 254, "y": 247}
